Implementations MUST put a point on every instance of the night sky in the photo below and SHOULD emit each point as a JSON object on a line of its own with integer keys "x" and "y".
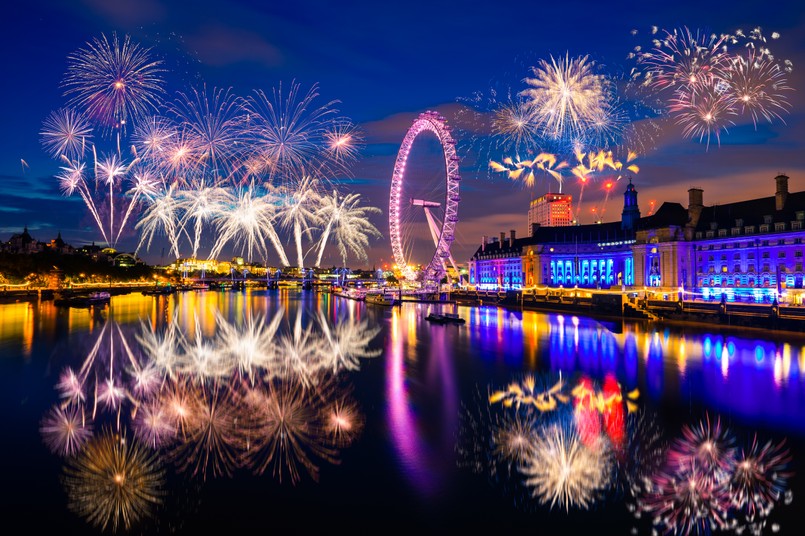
{"x": 386, "y": 62}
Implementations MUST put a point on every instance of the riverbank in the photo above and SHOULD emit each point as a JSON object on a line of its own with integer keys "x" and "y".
{"x": 740, "y": 316}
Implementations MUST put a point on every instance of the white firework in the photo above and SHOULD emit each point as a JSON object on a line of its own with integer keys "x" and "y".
{"x": 348, "y": 223}
{"x": 248, "y": 221}
{"x": 561, "y": 469}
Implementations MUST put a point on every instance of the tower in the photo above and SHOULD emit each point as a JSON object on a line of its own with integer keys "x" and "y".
{"x": 631, "y": 211}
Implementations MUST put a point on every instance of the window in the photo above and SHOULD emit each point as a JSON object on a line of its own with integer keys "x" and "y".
{"x": 723, "y": 257}
{"x": 735, "y": 231}
{"x": 798, "y": 254}
{"x": 750, "y": 229}
{"x": 781, "y": 254}
{"x": 709, "y": 234}
{"x": 765, "y": 243}
{"x": 767, "y": 219}
{"x": 779, "y": 226}
{"x": 713, "y": 226}
{"x": 750, "y": 256}
{"x": 800, "y": 215}
{"x": 796, "y": 225}
{"x": 765, "y": 267}
{"x": 698, "y": 235}
{"x": 798, "y": 267}
{"x": 737, "y": 268}
{"x": 739, "y": 222}
{"x": 722, "y": 232}
{"x": 764, "y": 228}
{"x": 797, "y": 240}
{"x": 765, "y": 255}
{"x": 700, "y": 258}
{"x": 736, "y": 257}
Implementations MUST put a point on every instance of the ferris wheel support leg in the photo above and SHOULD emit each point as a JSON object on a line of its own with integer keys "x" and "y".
{"x": 434, "y": 226}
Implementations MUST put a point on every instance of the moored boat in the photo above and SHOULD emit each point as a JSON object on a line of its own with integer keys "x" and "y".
{"x": 446, "y": 318}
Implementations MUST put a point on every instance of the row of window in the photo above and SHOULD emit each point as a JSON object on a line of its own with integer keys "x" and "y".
{"x": 750, "y": 229}
{"x": 740, "y": 245}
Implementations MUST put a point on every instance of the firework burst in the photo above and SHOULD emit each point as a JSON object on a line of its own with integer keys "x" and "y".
{"x": 115, "y": 81}
{"x": 561, "y": 470}
{"x": 114, "y": 483}
{"x": 66, "y": 132}
{"x": 707, "y": 86}
{"x": 65, "y": 431}
{"x": 290, "y": 131}
{"x": 567, "y": 97}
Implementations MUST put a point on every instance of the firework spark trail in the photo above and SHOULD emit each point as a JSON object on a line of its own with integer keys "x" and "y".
{"x": 348, "y": 223}
{"x": 248, "y": 220}
{"x": 161, "y": 215}
{"x": 298, "y": 212}
{"x": 524, "y": 170}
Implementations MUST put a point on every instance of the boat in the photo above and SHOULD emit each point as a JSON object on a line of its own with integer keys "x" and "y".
{"x": 82, "y": 300}
{"x": 446, "y": 318}
{"x": 382, "y": 299}
{"x": 352, "y": 294}
{"x": 159, "y": 291}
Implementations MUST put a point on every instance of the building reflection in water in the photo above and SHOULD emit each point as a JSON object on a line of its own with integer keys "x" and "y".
{"x": 572, "y": 444}
{"x": 704, "y": 368}
{"x": 260, "y": 393}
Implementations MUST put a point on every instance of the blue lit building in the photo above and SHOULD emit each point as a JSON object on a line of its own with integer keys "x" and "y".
{"x": 750, "y": 251}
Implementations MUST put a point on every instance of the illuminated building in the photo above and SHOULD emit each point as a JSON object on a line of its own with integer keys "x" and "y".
{"x": 750, "y": 251}
{"x": 550, "y": 210}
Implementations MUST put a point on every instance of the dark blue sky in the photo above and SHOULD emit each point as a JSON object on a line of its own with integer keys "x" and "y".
{"x": 386, "y": 62}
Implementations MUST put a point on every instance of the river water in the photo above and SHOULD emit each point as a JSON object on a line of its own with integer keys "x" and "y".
{"x": 211, "y": 412}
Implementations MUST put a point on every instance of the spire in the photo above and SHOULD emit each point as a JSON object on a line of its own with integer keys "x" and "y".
{"x": 631, "y": 210}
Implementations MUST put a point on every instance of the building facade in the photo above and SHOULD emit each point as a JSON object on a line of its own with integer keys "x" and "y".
{"x": 748, "y": 251}
{"x": 550, "y": 210}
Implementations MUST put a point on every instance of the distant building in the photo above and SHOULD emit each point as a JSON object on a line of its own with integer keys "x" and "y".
{"x": 749, "y": 251}
{"x": 22, "y": 243}
{"x": 550, "y": 210}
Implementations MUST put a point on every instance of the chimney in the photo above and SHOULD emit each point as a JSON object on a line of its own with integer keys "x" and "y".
{"x": 511, "y": 232}
{"x": 502, "y": 238}
{"x": 782, "y": 191}
{"x": 695, "y": 205}
{"x": 483, "y": 243}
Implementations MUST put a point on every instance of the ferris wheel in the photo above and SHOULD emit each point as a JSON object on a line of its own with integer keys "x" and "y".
{"x": 436, "y": 207}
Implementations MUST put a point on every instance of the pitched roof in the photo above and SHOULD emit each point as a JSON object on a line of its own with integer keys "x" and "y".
{"x": 668, "y": 214}
{"x": 752, "y": 212}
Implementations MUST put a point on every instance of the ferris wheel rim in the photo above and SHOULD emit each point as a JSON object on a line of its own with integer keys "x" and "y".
{"x": 437, "y": 124}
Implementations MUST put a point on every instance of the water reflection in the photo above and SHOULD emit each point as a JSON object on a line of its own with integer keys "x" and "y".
{"x": 254, "y": 393}
{"x": 573, "y": 444}
{"x": 422, "y": 454}
{"x": 704, "y": 368}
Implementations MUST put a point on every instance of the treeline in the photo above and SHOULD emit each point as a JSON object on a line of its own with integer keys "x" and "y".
{"x": 18, "y": 268}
